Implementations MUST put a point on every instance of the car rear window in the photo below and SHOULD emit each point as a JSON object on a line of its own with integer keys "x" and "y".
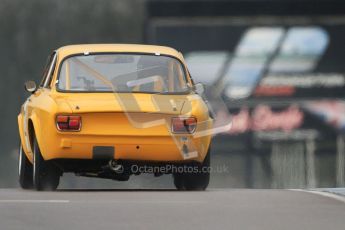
{"x": 132, "y": 73}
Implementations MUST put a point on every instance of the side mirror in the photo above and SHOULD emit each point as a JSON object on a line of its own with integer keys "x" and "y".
{"x": 30, "y": 86}
{"x": 199, "y": 88}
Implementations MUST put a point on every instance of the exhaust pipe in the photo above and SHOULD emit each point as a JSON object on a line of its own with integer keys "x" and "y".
{"x": 114, "y": 166}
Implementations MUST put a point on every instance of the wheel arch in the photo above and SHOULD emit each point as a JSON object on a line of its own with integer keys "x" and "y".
{"x": 25, "y": 136}
{"x": 34, "y": 131}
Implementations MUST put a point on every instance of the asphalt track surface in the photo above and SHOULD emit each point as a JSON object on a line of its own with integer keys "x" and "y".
{"x": 168, "y": 209}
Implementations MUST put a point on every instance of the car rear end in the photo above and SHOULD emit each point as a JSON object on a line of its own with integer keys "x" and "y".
{"x": 148, "y": 134}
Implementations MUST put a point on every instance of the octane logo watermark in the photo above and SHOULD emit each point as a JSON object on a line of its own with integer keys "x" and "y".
{"x": 165, "y": 169}
{"x": 156, "y": 108}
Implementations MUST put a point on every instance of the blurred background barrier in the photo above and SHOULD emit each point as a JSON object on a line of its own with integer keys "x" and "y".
{"x": 278, "y": 66}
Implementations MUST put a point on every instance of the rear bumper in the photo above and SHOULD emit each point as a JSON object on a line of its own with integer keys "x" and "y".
{"x": 141, "y": 148}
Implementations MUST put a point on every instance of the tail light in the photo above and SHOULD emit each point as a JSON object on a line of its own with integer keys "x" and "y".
{"x": 183, "y": 124}
{"x": 68, "y": 123}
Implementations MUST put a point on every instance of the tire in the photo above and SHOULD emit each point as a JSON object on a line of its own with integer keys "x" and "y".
{"x": 194, "y": 181}
{"x": 24, "y": 170}
{"x": 46, "y": 176}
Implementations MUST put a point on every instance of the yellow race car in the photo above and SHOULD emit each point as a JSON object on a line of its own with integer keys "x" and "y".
{"x": 111, "y": 111}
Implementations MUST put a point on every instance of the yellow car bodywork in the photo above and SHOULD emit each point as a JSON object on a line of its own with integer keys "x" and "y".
{"x": 109, "y": 119}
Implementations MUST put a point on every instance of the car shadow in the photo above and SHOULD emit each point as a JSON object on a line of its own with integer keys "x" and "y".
{"x": 116, "y": 190}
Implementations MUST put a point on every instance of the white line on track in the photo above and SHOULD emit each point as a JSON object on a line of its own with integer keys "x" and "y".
{"x": 322, "y": 193}
{"x": 143, "y": 201}
{"x": 34, "y": 201}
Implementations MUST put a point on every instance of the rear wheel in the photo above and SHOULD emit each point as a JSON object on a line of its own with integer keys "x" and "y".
{"x": 24, "y": 170}
{"x": 194, "y": 180}
{"x": 46, "y": 176}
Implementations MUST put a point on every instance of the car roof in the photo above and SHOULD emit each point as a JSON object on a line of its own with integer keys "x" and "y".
{"x": 130, "y": 48}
